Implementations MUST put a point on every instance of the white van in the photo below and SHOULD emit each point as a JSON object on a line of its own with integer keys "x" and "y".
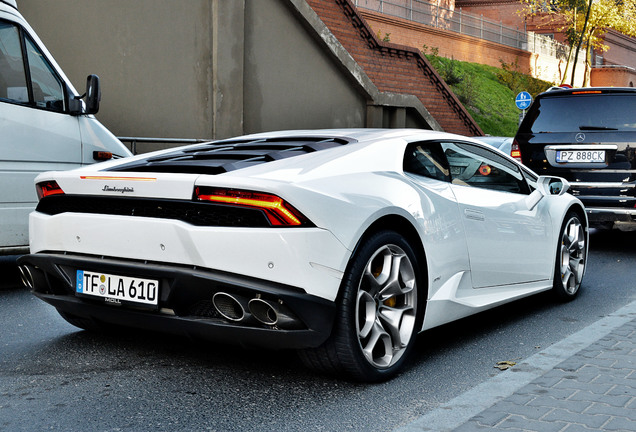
{"x": 44, "y": 125}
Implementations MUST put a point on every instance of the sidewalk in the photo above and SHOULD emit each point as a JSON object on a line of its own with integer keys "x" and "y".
{"x": 586, "y": 382}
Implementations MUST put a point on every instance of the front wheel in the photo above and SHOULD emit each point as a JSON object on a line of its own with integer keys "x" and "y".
{"x": 379, "y": 313}
{"x": 571, "y": 257}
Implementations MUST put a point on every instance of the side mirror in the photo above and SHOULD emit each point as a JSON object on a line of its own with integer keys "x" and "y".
{"x": 93, "y": 94}
{"x": 553, "y": 185}
{"x": 546, "y": 186}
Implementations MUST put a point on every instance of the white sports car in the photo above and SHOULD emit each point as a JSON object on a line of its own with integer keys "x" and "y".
{"x": 342, "y": 244}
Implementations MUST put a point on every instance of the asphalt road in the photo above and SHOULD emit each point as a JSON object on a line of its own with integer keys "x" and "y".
{"x": 55, "y": 377}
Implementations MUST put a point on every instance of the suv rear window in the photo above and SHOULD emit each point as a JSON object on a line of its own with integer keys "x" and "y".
{"x": 593, "y": 112}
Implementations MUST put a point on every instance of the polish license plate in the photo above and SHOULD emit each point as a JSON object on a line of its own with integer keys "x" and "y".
{"x": 117, "y": 289}
{"x": 580, "y": 156}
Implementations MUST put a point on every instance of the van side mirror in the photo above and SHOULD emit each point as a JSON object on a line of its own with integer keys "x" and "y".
{"x": 93, "y": 94}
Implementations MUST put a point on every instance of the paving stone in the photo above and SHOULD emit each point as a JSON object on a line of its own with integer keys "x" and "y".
{"x": 617, "y": 401}
{"x": 525, "y": 424}
{"x": 527, "y": 411}
{"x": 621, "y": 424}
{"x": 571, "y": 405}
{"x": 592, "y": 421}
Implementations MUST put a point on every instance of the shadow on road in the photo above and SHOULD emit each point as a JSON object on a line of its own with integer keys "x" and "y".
{"x": 9, "y": 276}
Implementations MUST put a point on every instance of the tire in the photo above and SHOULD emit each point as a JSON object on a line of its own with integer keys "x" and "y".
{"x": 571, "y": 258}
{"x": 379, "y": 312}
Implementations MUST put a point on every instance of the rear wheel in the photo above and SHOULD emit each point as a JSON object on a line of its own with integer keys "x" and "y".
{"x": 571, "y": 257}
{"x": 379, "y": 313}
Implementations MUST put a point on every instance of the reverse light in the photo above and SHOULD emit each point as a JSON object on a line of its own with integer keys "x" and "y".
{"x": 515, "y": 151}
{"x": 278, "y": 211}
{"x": 48, "y": 188}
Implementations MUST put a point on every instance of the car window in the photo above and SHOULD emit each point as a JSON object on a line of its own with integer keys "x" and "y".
{"x": 426, "y": 159}
{"x": 577, "y": 113}
{"x": 13, "y": 84}
{"x": 44, "y": 90}
{"x": 471, "y": 165}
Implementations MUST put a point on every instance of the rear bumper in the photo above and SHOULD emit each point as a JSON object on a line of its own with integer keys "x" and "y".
{"x": 185, "y": 301}
{"x": 619, "y": 216}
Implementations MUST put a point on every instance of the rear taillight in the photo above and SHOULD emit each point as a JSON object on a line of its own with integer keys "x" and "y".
{"x": 48, "y": 188}
{"x": 279, "y": 212}
{"x": 515, "y": 151}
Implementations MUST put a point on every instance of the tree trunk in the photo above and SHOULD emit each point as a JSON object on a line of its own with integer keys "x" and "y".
{"x": 578, "y": 46}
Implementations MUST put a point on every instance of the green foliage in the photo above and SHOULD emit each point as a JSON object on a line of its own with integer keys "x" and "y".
{"x": 516, "y": 81}
{"x": 488, "y": 93}
{"x": 385, "y": 38}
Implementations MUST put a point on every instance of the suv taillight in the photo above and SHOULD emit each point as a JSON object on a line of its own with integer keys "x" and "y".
{"x": 515, "y": 152}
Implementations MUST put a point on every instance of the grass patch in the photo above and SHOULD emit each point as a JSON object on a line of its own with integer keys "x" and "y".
{"x": 487, "y": 92}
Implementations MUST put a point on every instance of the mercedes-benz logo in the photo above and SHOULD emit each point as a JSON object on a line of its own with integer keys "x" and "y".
{"x": 580, "y": 137}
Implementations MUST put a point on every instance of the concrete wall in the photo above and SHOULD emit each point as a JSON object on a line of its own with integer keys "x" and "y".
{"x": 220, "y": 68}
{"x": 212, "y": 69}
{"x": 290, "y": 80}
{"x": 153, "y": 59}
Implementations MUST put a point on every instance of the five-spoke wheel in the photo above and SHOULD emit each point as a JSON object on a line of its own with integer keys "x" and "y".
{"x": 571, "y": 257}
{"x": 379, "y": 312}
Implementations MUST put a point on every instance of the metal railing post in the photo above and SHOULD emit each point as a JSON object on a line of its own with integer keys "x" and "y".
{"x": 437, "y": 15}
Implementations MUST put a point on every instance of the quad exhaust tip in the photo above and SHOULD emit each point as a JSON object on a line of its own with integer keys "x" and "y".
{"x": 238, "y": 309}
{"x": 232, "y": 308}
{"x": 31, "y": 276}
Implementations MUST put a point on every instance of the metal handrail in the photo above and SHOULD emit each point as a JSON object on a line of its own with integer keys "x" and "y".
{"x": 457, "y": 21}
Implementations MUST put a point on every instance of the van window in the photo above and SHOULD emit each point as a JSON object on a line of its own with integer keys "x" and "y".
{"x": 47, "y": 88}
{"x": 44, "y": 90}
{"x": 13, "y": 84}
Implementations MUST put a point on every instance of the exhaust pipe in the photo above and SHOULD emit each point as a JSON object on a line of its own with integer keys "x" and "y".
{"x": 274, "y": 314}
{"x": 232, "y": 308}
{"x": 32, "y": 277}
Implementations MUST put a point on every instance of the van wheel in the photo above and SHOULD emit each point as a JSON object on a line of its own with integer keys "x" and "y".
{"x": 379, "y": 313}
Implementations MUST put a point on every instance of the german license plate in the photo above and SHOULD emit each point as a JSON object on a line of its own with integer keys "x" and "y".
{"x": 117, "y": 289}
{"x": 580, "y": 156}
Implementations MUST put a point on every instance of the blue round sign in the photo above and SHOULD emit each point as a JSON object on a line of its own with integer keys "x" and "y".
{"x": 523, "y": 100}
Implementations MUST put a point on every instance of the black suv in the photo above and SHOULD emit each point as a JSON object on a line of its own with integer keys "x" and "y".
{"x": 588, "y": 137}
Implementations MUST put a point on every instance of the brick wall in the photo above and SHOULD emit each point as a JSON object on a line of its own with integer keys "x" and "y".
{"x": 449, "y": 44}
{"x": 394, "y": 68}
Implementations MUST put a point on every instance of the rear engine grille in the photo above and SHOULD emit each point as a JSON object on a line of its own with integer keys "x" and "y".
{"x": 224, "y": 156}
{"x": 195, "y": 213}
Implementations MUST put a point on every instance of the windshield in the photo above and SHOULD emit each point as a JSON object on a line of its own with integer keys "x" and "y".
{"x": 584, "y": 113}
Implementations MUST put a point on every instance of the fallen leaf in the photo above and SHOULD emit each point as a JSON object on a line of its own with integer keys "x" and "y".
{"x": 504, "y": 365}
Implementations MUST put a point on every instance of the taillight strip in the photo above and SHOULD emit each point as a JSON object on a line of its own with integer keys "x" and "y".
{"x": 277, "y": 210}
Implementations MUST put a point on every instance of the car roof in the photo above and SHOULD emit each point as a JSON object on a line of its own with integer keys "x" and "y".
{"x": 217, "y": 157}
